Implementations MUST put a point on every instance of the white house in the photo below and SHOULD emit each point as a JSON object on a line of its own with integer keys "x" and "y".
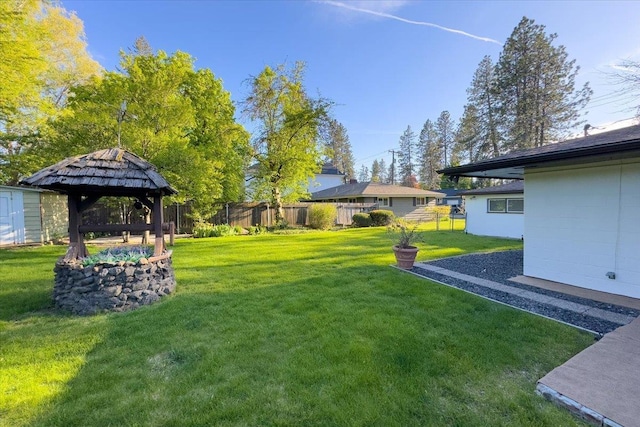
{"x": 328, "y": 177}
{"x": 31, "y": 216}
{"x": 581, "y": 208}
{"x": 496, "y": 211}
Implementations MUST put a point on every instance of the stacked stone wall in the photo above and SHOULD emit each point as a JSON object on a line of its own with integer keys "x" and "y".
{"x": 111, "y": 287}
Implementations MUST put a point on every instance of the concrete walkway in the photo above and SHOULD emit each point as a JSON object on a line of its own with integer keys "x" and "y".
{"x": 601, "y": 384}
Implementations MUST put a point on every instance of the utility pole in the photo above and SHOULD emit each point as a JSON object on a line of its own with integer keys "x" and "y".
{"x": 393, "y": 166}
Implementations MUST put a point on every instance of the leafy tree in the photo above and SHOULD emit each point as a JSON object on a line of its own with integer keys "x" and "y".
{"x": 44, "y": 54}
{"x": 406, "y": 156}
{"x": 179, "y": 119}
{"x": 286, "y": 145}
{"x": 339, "y": 147}
{"x": 444, "y": 131}
{"x": 376, "y": 171}
{"x": 482, "y": 108}
{"x": 429, "y": 156}
{"x": 535, "y": 83}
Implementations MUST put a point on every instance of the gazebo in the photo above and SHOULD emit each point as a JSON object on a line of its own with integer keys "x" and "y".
{"x": 111, "y": 172}
{"x": 87, "y": 289}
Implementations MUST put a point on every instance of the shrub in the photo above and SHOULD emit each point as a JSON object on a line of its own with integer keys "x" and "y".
{"x": 204, "y": 229}
{"x": 381, "y": 217}
{"x": 362, "y": 219}
{"x": 120, "y": 253}
{"x": 257, "y": 229}
{"x": 322, "y": 216}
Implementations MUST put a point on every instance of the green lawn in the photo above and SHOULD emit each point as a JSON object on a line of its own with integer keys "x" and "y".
{"x": 308, "y": 329}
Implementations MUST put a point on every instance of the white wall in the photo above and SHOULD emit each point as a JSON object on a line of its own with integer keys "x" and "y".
{"x": 12, "y": 229}
{"x": 322, "y": 182}
{"x": 482, "y": 223}
{"x": 581, "y": 223}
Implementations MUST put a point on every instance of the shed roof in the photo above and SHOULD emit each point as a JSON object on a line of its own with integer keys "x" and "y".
{"x": 372, "y": 189}
{"x": 612, "y": 145}
{"x": 509, "y": 188}
{"x": 113, "y": 171}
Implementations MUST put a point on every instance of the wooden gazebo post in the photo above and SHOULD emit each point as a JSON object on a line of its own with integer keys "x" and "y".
{"x": 157, "y": 225}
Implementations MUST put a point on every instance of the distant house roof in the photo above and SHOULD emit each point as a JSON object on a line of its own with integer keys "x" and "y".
{"x": 372, "y": 189}
{"x": 110, "y": 172}
{"x": 512, "y": 187}
{"x": 329, "y": 169}
{"x": 612, "y": 145}
{"x": 450, "y": 192}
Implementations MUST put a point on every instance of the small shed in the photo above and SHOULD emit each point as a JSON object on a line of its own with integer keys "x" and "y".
{"x": 31, "y": 216}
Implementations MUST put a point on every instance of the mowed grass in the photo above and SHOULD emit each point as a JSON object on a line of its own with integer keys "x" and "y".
{"x": 308, "y": 329}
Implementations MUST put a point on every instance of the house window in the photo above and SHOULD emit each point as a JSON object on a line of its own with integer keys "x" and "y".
{"x": 505, "y": 205}
{"x": 421, "y": 201}
{"x": 383, "y": 201}
{"x": 515, "y": 205}
{"x": 353, "y": 200}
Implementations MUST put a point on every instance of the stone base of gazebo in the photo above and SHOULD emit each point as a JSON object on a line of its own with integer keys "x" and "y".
{"x": 112, "y": 287}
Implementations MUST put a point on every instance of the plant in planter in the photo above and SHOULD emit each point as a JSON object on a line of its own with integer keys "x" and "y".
{"x": 405, "y": 235}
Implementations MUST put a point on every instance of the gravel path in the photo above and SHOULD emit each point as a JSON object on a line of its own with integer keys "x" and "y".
{"x": 499, "y": 267}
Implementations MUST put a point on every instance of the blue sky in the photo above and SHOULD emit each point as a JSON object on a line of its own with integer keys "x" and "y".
{"x": 386, "y": 64}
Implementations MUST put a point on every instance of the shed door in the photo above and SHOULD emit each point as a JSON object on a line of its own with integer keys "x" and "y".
{"x": 11, "y": 218}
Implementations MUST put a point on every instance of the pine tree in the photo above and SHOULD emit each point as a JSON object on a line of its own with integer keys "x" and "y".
{"x": 535, "y": 83}
{"x": 468, "y": 137}
{"x": 363, "y": 175}
{"x": 444, "y": 135}
{"x": 375, "y": 171}
{"x": 406, "y": 156}
{"x": 429, "y": 156}
{"x": 482, "y": 103}
{"x": 339, "y": 147}
{"x": 383, "y": 172}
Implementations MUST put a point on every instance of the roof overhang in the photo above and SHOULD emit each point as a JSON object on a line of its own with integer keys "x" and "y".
{"x": 514, "y": 167}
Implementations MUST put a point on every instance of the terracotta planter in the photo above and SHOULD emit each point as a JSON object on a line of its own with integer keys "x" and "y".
{"x": 405, "y": 256}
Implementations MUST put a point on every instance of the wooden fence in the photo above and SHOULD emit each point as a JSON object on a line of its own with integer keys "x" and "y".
{"x": 242, "y": 214}
{"x": 248, "y": 214}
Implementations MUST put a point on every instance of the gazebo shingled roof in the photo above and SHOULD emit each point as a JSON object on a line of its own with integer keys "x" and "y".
{"x": 110, "y": 172}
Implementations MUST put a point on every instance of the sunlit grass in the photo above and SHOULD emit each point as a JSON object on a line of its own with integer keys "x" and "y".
{"x": 309, "y": 329}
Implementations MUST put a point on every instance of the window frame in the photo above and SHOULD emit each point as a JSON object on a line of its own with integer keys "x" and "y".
{"x": 506, "y": 201}
{"x": 383, "y": 201}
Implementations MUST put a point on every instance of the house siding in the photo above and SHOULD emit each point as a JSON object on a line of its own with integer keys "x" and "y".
{"x": 482, "y": 223}
{"x": 324, "y": 181}
{"x": 55, "y": 216}
{"x": 32, "y": 222}
{"x": 581, "y": 223}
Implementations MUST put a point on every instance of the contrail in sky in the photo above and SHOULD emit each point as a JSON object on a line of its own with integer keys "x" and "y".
{"x": 408, "y": 21}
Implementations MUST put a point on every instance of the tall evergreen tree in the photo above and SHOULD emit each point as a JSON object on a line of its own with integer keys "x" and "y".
{"x": 535, "y": 83}
{"x": 429, "y": 156}
{"x": 482, "y": 103}
{"x": 363, "y": 175}
{"x": 376, "y": 171}
{"x": 468, "y": 137}
{"x": 444, "y": 134}
{"x": 384, "y": 178}
{"x": 406, "y": 156}
{"x": 339, "y": 147}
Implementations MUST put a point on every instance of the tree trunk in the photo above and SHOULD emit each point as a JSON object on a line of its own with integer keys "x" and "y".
{"x": 147, "y": 220}
{"x": 277, "y": 201}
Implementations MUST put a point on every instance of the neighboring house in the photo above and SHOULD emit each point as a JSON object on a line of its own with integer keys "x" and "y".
{"x": 496, "y": 211}
{"x": 405, "y": 202}
{"x": 31, "y": 216}
{"x": 452, "y": 197}
{"x": 329, "y": 176}
{"x": 581, "y": 222}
